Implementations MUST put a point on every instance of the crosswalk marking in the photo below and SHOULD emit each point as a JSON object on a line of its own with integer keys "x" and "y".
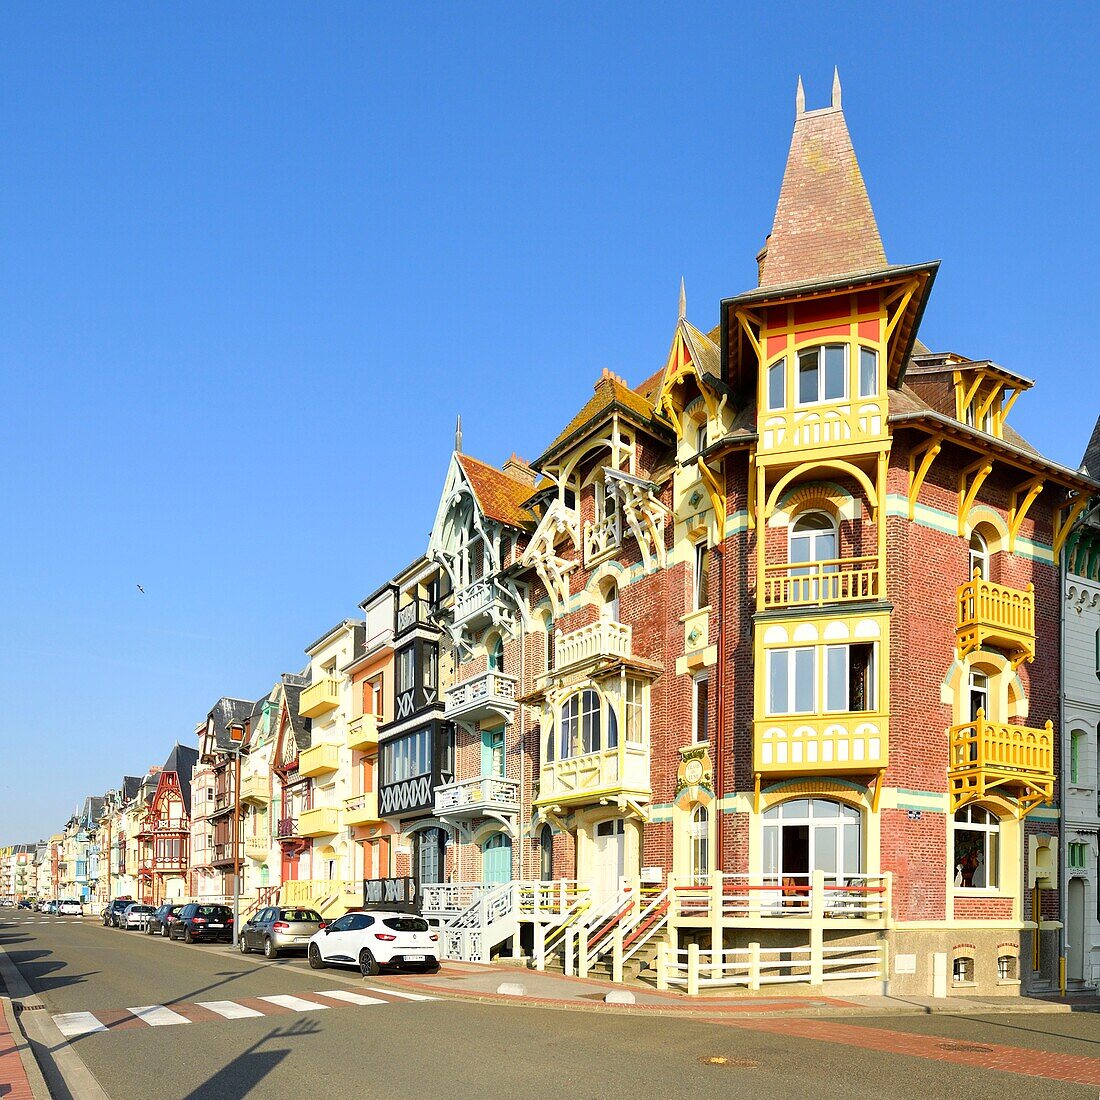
{"x": 295, "y": 1004}
{"x": 351, "y": 998}
{"x": 229, "y": 1009}
{"x": 71, "y": 1024}
{"x": 158, "y": 1015}
{"x": 399, "y": 993}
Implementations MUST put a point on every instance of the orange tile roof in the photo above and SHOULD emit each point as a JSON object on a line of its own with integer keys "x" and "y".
{"x": 499, "y": 496}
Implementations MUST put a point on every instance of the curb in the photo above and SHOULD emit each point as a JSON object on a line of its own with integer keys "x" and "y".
{"x": 35, "y": 1080}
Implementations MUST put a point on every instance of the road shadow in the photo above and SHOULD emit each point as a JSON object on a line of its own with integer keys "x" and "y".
{"x": 43, "y": 973}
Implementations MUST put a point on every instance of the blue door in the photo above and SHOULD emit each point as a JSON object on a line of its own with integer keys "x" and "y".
{"x": 496, "y": 859}
{"x": 492, "y": 752}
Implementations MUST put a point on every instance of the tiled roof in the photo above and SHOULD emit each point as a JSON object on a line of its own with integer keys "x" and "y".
{"x": 824, "y": 225}
{"x": 499, "y": 495}
{"x": 182, "y": 760}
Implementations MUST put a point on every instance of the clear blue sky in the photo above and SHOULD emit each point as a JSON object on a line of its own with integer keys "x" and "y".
{"x": 256, "y": 257}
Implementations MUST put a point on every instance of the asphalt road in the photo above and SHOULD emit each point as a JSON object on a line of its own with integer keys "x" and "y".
{"x": 399, "y": 1049}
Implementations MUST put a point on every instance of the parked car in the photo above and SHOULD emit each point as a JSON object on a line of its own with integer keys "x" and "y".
{"x": 7, "y": 903}
{"x": 196, "y": 922}
{"x": 70, "y": 907}
{"x": 276, "y": 929}
{"x": 373, "y": 940}
{"x": 44, "y": 905}
{"x": 51, "y": 908}
{"x": 157, "y": 924}
{"x": 135, "y": 915}
{"x": 27, "y": 903}
{"x": 114, "y": 910}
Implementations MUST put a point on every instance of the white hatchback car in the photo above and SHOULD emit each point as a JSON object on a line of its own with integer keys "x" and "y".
{"x": 70, "y": 907}
{"x": 373, "y": 940}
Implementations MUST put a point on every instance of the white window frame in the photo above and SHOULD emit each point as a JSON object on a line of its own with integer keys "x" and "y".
{"x": 776, "y": 369}
{"x": 846, "y": 647}
{"x": 990, "y": 829}
{"x": 701, "y": 680}
{"x": 864, "y": 350}
{"x": 699, "y": 560}
{"x": 792, "y": 680}
{"x": 820, "y": 399}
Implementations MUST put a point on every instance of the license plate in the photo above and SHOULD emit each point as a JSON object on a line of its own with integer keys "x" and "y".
{"x": 301, "y": 939}
{"x": 415, "y": 958}
{"x": 215, "y": 926}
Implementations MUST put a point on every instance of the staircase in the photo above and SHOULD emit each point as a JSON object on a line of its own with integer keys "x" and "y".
{"x": 484, "y": 924}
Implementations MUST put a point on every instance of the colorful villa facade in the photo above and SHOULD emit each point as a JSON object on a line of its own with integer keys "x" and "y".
{"x": 752, "y": 676}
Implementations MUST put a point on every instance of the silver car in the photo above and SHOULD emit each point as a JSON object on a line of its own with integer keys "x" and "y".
{"x": 279, "y": 928}
{"x": 135, "y": 916}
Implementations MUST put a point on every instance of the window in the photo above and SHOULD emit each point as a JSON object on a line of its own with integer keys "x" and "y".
{"x": 977, "y": 833}
{"x": 791, "y": 681}
{"x": 868, "y": 372}
{"x": 962, "y": 973}
{"x": 1006, "y": 968}
{"x": 609, "y": 611}
{"x": 634, "y": 713}
{"x": 1077, "y": 855}
{"x": 804, "y": 835}
{"x": 823, "y": 374}
{"x": 979, "y": 694}
{"x": 979, "y": 555}
{"x": 701, "y": 577}
{"x": 406, "y": 669}
{"x": 496, "y": 654}
{"x": 700, "y": 845}
{"x": 431, "y": 660}
{"x": 1076, "y": 748}
{"x": 701, "y": 437}
{"x": 582, "y": 725}
{"x": 777, "y": 384}
{"x": 850, "y": 677}
{"x": 407, "y": 757}
{"x": 546, "y": 854}
{"x": 813, "y": 538}
{"x": 701, "y": 725}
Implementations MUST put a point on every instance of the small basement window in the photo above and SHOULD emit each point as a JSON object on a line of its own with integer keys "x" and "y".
{"x": 1006, "y": 968}
{"x": 963, "y": 972}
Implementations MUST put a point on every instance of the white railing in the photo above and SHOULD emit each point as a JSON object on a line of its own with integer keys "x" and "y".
{"x": 487, "y": 922}
{"x": 474, "y": 598}
{"x": 602, "y": 535}
{"x": 474, "y": 794}
{"x": 748, "y": 898}
{"x": 486, "y": 689}
{"x": 600, "y": 639}
{"x": 754, "y": 966}
{"x": 447, "y": 899}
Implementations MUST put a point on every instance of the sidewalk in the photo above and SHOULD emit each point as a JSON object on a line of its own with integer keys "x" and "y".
{"x": 479, "y": 982}
{"x": 17, "y": 1065}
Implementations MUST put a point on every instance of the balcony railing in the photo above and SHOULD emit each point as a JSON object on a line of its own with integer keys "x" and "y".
{"x": 993, "y": 614}
{"x": 321, "y": 821}
{"x": 995, "y": 757}
{"x": 363, "y": 732}
{"x": 257, "y": 847}
{"x": 475, "y": 599}
{"x": 486, "y": 695}
{"x": 320, "y": 698}
{"x": 473, "y": 797}
{"x": 223, "y": 852}
{"x": 286, "y": 828}
{"x": 601, "y": 537}
{"x": 812, "y": 744}
{"x": 361, "y": 809}
{"x": 588, "y": 643}
{"x": 256, "y": 789}
{"x": 415, "y": 613}
{"x": 840, "y": 423}
{"x": 814, "y": 584}
{"x": 596, "y": 777}
{"x": 319, "y": 760}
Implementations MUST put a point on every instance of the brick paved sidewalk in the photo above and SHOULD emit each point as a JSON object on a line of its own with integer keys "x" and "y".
{"x": 14, "y": 1082}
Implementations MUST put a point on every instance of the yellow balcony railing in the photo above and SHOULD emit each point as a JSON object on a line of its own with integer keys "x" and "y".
{"x": 363, "y": 732}
{"x": 257, "y": 847}
{"x": 256, "y": 789}
{"x": 322, "y": 821}
{"x": 320, "y": 697}
{"x": 319, "y": 760}
{"x": 997, "y": 758}
{"x": 596, "y": 778}
{"x": 816, "y": 583}
{"x": 995, "y": 615}
{"x": 816, "y": 744}
{"x": 361, "y": 809}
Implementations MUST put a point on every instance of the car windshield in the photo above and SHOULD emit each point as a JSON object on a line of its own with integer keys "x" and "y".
{"x": 141, "y": 908}
{"x": 213, "y": 911}
{"x": 299, "y": 914}
{"x": 406, "y": 924}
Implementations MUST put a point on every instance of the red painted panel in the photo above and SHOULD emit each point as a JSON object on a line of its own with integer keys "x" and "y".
{"x": 870, "y": 330}
{"x": 824, "y": 309}
{"x": 815, "y": 334}
{"x": 869, "y": 301}
{"x": 776, "y": 344}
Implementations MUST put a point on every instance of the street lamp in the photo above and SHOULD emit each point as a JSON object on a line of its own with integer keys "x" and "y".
{"x": 236, "y": 737}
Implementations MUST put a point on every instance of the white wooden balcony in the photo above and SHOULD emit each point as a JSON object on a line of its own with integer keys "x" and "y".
{"x": 605, "y": 638}
{"x": 619, "y": 774}
{"x": 484, "y": 796}
{"x": 475, "y": 601}
{"x": 481, "y": 698}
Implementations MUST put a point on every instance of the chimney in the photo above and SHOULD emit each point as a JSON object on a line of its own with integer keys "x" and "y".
{"x": 519, "y": 470}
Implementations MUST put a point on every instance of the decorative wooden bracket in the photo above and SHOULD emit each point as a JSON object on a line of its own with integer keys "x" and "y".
{"x": 743, "y": 321}
{"x": 716, "y": 489}
{"x": 977, "y": 472}
{"x": 1020, "y": 500}
{"x": 906, "y": 293}
{"x": 1064, "y": 519}
{"x": 920, "y": 462}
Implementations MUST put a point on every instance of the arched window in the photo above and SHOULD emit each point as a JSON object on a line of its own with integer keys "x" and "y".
{"x": 609, "y": 608}
{"x": 977, "y": 837}
{"x": 546, "y": 854}
{"x": 979, "y": 555}
{"x": 583, "y": 726}
{"x": 496, "y": 653}
{"x": 813, "y": 538}
{"x": 700, "y": 845}
{"x": 805, "y": 835}
{"x": 979, "y": 694}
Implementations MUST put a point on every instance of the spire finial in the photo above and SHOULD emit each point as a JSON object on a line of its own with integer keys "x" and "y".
{"x": 836, "y": 86}
{"x": 799, "y": 99}
{"x": 458, "y": 435}
{"x": 683, "y": 300}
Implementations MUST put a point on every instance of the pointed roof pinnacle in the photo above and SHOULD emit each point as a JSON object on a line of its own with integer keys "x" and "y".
{"x": 458, "y": 435}
{"x": 799, "y": 99}
{"x": 824, "y": 225}
{"x": 683, "y": 300}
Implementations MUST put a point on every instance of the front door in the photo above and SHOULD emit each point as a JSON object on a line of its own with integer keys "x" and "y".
{"x": 496, "y": 859}
{"x": 1075, "y": 964}
{"x": 608, "y": 859}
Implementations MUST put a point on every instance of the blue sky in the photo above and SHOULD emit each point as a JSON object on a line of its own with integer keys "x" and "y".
{"x": 256, "y": 258}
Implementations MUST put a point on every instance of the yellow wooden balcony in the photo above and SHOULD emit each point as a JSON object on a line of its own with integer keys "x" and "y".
{"x": 821, "y": 744}
{"x": 995, "y": 615}
{"x": 997, "y": 758}
{"x": 257, "y": 847}
{"x": 319, "y": 698}
{"x": 319, "y": 760}
{"x": 322, "y": 821}
{"x": 361, "y": 809}
{"x": 256, "y": 789}
{"x": 819, "y": 583}
{"x": 619, "y": 774}
{"x": 363, "y": 732}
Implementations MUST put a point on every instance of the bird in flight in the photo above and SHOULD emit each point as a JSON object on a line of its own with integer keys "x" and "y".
{"x": 141, "y": 590}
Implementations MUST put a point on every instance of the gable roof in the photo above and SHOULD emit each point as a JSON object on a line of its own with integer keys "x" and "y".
{"x": 182, "y": 760}
{"x": 225, "y": 712}
{"x": 500, "y": 496}
{"x": 824, "y": 225}
{"x": 301, "y": 728}
{"x": 130, "y": 786}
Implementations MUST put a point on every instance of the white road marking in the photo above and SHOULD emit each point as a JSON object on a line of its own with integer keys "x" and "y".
{"x": 351, "y": 998}
{"x": 398, "y": 993}
{"x": 77, "y": 1023}
{"x": 229, "y": 1009}
{"x": 158, "y": 1015}
{"x": 294, "y": 1003}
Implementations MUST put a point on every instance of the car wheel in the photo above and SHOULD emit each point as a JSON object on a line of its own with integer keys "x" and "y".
{"x": 270, "y": 950}
{"x": 432, "y": 968}
{"x": 314, "y": 956}
{"x": 165, "y": 930}
{"x": 368, "y": 964}
{"x": 242, "y": 947}
{"x": 187, "y": 937}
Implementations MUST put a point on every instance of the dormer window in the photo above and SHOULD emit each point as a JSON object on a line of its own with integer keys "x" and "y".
{"x": 823, "y": 374}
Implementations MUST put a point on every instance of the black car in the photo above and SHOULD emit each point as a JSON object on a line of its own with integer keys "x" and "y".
{"x": 115, "y": 910}
{"x": 158, "y": 923}
{"x": 197, "y": 922}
